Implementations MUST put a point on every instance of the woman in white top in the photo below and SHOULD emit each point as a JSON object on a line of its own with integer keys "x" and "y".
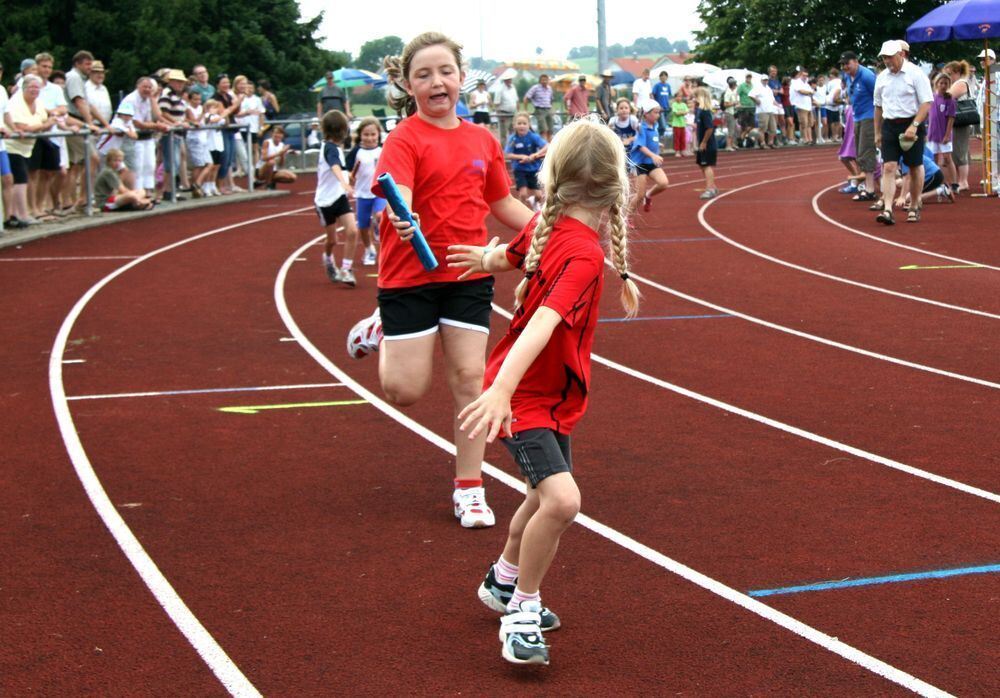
{"x": 479, "y": 103}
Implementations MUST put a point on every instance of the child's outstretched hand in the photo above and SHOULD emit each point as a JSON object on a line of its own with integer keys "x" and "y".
{"x": 470, "y": 257}
{"x": 487, "y": 413}
{"x": 403, "y": 228}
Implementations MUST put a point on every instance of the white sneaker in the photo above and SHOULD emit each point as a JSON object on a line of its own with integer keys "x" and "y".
{"x": 365, "y": 337}
{"x": 347, "y": 277}
{"x": 471, "y": 508}
{"x": 369, "y": 258}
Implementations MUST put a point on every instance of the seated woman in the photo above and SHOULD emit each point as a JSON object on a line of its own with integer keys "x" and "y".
{"x": 270, "y": 170}
{"x": 109, "y": 192}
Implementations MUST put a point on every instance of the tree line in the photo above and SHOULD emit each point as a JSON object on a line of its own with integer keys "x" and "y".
{"x": 642, "y": 46}
{"x": 813, "y": 33}
{"x": 258, "y": 38}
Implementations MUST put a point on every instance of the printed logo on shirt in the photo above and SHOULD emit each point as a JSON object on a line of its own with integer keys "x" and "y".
{"x": 476, "y": 167}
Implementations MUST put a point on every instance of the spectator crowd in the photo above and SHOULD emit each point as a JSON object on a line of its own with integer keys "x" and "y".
{"x": 175, "y": 132}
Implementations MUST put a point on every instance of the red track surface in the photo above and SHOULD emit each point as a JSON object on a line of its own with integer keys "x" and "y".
{"x": 317, "y": 546}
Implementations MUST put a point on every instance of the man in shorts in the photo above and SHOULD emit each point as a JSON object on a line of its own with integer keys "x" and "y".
{"x": 903, "y": 99}
{"x": 862, "y": 92}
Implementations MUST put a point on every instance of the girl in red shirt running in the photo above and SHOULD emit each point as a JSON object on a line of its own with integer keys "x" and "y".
{"x": 452, "y": 174}
{"x": 538, "y": 376}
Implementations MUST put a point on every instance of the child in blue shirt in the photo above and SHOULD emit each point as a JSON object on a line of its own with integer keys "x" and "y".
{"x": 933, "y": 185}
{"x": 526, "y": 149}
{"x": 646, "y": 155}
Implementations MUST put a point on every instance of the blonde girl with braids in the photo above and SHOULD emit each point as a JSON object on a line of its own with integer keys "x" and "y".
{"x": 453, "y": 175}
{"x": 538, "y": 376}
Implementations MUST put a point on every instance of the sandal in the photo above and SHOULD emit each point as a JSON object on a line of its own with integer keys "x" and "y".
{"x": 864, "y": 196}
{"x": 913, "y": 216}
{"x": 886, "y": 218}
{"x": 879, "y": 205}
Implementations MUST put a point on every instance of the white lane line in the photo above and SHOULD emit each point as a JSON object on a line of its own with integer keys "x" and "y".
{"x": 287, "y": 339}
{"x": 162, "y": 393}
{"x": 201, "y": 640}
{"x": 74, "y": 361}
{"x": 806, "y": 335}
{"x": 828, "y": 219}
{"x": 791, "y": 265}
{"x": 788, "y": 428}
{"x": 61, "y": 259}
{"x": 825, "y": 641}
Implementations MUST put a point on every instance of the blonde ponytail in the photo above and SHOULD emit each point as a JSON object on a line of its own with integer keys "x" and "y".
{"x": 618, "y": 226}
{"x": 543, "y": 229}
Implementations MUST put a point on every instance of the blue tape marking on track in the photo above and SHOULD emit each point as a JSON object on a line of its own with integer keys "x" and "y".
{"x": 663, "y": 317}
{"x": 888, "y": 579}
{"x": 632, "y": 242}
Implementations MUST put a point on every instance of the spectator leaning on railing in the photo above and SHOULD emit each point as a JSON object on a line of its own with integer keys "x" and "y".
{"x": 98, "y": 96}
{"x": 6, "y": 176}
{"x": 201, "y": 83}
{"x": 140, "y": 155}
{"x": 79, "y": 108}
{"x": 24, "y": 115}
{"x": 172, "y": 113}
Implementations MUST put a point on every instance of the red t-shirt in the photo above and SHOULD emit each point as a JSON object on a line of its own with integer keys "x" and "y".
{"x": 454, "y": 174}
{"x": 569, "y": 280}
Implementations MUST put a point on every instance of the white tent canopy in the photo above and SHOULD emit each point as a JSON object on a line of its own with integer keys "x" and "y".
{"x": 717, "y": 80}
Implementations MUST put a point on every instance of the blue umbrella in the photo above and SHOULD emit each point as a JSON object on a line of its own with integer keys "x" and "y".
{"x": 969, "y": 20}
{"x": 622, "y": 77}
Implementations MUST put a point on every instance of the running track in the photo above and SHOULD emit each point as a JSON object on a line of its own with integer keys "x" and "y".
{"x": 791, "y": 408}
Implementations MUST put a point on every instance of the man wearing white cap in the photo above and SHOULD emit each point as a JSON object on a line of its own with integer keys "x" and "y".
{"x": 991, "y": 78}
{"x": 903, "y": 99}
{"x": 505, "y": 99}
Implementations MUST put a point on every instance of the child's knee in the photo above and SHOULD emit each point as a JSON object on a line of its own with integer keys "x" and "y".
{"x": 564, "y": 507}
{"x": 467, "y": 378}
{"x": 403, "y": 392}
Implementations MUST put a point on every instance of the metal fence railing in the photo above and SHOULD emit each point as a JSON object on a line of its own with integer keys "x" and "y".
{"x": 170, "y": 136}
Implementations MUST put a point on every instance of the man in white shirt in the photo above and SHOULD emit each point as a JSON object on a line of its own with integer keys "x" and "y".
{"x": 642, "y": 89}
{"x": 903, "y": 99}
{"x": 766, "y": 120}
{"x": 800, "y": 95}
{"x": 505, "y": 102}
{"x": 834, "y": 104}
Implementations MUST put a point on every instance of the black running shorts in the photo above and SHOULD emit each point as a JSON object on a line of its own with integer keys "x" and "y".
{"x": 540, "y": 453}
{"x": 416, "y": 311}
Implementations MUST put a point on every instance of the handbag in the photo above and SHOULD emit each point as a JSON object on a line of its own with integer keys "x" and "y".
{"x": 966, "y": 113}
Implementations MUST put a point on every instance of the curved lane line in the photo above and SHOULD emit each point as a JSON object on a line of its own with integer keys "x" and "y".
{"x": 788, "y": 428}
{"x": 806, "y": 335}
{"x": 878, "y": 289}
{"x": 201, "y": 640}
{"x": 876, "y": 238}
{"x": 825, "y": 641}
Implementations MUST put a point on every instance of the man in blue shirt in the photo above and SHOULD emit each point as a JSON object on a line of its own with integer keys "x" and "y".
{"x": 663, "y": 94}
{"x": 862, "y": 95}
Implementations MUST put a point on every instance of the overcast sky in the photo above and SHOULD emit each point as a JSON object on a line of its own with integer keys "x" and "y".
{"x": 505, "y": 30}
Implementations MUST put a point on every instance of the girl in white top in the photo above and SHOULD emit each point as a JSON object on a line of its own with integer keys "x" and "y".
{"x": 369, "y": 207}
{"x": 212, "y": 117}
{"x": 121, "y": 127}
{"x": 479, "y": 103}
{"x": 197, "y": 140}
{"x": 270, "y": 169}
{"x": 332, "y": 205}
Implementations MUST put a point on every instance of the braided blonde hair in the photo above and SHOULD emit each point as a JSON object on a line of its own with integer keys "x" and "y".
{"x": 397, "y": 69}
{"x": 585, "y": 166}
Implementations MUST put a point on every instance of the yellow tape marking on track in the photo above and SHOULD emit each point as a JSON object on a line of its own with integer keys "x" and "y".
{"x": 254, "y": 409}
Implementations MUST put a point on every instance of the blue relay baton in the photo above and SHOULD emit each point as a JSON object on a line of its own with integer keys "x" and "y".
{"x": 399, "y": 207}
